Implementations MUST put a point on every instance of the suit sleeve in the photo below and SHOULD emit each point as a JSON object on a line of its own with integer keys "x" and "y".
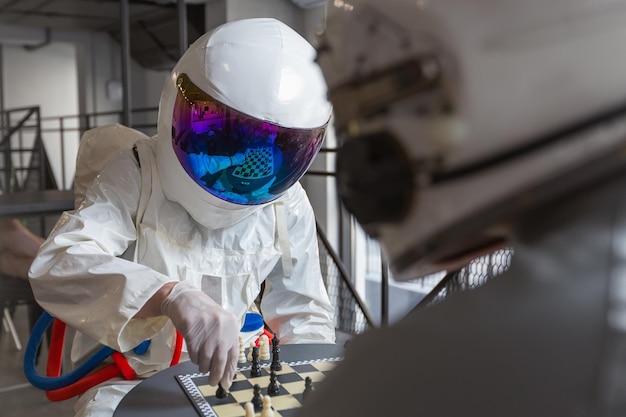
{"x": 297, "y": 307}
{"x": 80, "y": 274}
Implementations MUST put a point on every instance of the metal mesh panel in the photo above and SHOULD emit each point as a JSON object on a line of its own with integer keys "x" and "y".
{"x": 349, "y": 318}
{"x": 475, "y": 274}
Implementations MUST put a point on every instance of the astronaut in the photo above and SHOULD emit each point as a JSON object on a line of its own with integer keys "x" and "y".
{"x": 465, "y": 123}
{"x": 152, "y": 247}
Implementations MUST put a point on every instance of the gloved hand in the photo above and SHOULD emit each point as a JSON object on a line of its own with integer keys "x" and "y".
{"x": 211, "y": 333}
{"x": 237, "y": 159}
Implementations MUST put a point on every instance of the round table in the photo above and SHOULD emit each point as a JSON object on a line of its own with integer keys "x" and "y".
{"x": 162, "y": 396}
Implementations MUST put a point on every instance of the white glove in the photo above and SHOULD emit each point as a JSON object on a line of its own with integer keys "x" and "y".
{"x": 211, "y": 333}
{"x": 237, "y": 159}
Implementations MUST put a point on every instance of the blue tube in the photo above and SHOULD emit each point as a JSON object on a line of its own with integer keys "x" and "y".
{"x": 252, "y": 322}
{"x": 51, "y": 383}
{"x": 142, "y": 348}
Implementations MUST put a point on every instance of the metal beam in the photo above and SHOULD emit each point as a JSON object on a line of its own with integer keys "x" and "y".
{"x": 182, "y": 27}
{"x": 126, "y": 85}
{"x": 2, "y": 115}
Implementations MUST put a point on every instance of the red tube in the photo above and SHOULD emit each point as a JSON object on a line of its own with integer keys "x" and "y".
{"x": 120, "y": 366}
{"x": 88, "y": 381}
{"x": 178, "y": 347}
{"x": 124, "y": 367}
{"x": 55, "y": 352}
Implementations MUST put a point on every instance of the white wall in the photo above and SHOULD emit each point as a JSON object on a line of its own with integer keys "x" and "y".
{"x": 45, "y": 77}
{"x": 283, "y": 10}
{"x": 101, "y": 64}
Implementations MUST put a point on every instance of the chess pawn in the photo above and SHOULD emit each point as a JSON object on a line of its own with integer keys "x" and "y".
{"x": 249, "y": 409}
{"x": 242, "y": 352}
{"x": 267, "y": 410}
{"x": 264, "y": 348}
{"x": 272, "y": 388}
{"x": 308, "y": 388}
{"x": 257, "y": 400}
{"x": 221, "y": 392}
{"x": 250, "y": 352}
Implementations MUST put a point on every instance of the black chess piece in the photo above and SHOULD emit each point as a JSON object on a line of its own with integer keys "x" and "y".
{"x": 257, "y": 399}
{"x": 220, "y": 392}
{"x": 256, "y": 364}
{"x": 308, "y": 388}
{"x": 275, "y": 365}
{"x": 272, "y": 388}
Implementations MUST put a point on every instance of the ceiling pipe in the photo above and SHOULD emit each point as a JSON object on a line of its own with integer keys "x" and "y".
{"x": 20, "y": 35}
{"x": 46, "y": 41}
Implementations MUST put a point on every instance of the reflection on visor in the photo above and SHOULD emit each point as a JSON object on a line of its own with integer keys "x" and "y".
{"x": 234, "y": 156}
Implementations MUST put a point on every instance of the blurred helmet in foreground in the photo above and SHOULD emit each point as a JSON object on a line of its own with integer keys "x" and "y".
{"x": 457, "y": 117}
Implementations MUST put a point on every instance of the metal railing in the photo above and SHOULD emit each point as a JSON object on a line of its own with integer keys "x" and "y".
{"x": 23, "y": 165}
{"x": 351, "y": 314}
{"x": 73, "y": 126}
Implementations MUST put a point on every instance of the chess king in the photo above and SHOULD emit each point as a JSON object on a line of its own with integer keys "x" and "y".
{"x": 466, "y": 123}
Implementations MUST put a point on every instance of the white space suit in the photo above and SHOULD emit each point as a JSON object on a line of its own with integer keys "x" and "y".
{"x": 486, "y": 120}
{"x": 145, "y": 221}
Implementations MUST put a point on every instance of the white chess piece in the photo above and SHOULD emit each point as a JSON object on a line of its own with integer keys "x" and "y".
{"x": 242, "y": 351}
{"x": 267, "y": 407}
{"x": 249, "y": 357}
{"x": 264, "y": 348}
{"x": 249, "y": 408}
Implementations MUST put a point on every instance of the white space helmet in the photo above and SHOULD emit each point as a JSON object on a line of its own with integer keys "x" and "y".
{"x": 457, "y": 116}
{"x": 241, "y": 118}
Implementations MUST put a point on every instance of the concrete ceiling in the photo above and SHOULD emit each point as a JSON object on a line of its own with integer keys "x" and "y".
{"x": 153, "y": 24}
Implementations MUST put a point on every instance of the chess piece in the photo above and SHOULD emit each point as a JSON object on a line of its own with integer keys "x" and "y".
{"x": 257, "y": 401}
{"x": 267, "y": 410}
{"x": 250, "y": 352}
{"x": 242, "y": 353}
{"x": 256, "y": 365}
{"x": 308, "y": 388}
{"x": 275, "y": 365}
{"x": 264, "y": 348}
{"x": 249, "y": 409}
{"x": 272, "y": 387}
{"x": 220, "y": 392}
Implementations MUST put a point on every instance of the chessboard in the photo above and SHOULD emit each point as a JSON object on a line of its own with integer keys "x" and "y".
{"x": 285, "y": 404}
{"x": 258, "y": 163}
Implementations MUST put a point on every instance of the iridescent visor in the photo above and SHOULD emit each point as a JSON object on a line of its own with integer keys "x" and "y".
{"x": 236, "y": 157}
